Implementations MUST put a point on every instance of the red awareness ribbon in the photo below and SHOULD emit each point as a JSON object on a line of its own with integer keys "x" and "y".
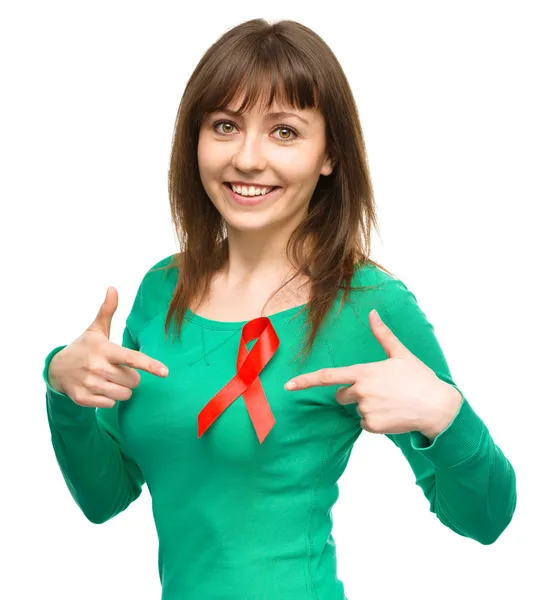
{"x": 247, "y": 381}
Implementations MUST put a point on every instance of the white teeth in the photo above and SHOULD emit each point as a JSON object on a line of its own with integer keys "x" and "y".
{"x": 250, "y": 191}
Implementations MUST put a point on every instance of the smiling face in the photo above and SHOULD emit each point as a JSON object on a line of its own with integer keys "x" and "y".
{"x": 269, "y": 150}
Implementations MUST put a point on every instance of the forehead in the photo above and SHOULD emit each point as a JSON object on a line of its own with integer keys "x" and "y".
{"x": 277, "y": 109}
{"x": 277, "y": 106}
{"x": 275, "y": 113}
{"x": 255, "y": 99}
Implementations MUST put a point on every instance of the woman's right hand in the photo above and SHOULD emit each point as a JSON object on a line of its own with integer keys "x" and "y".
{"x": 91, "y": 370}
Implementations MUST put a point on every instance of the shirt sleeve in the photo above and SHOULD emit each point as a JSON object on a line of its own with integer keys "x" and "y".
{"x": 100, "y": 475}
{"x": 469, "y": 483}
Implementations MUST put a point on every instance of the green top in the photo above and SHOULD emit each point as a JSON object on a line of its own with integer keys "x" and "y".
{"x": 237, "y": 518}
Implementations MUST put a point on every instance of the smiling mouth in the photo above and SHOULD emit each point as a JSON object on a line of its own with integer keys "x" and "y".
{"x": 275, "y": 187}
{"x": 254, "y": 200}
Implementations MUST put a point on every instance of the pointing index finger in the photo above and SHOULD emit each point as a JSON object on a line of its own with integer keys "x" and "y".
{"x": 138, "y": 360}
{"x": 323, "y": 377}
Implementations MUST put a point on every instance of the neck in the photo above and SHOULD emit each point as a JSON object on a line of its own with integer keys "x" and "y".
{"x": 256, "y": 256}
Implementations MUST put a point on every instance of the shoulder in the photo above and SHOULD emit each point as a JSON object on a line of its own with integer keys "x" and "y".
{"x": 371, "y": 274}
{"x": 154, "y": 292}
{"x": 166, "y": 266}
{"x": 371, "y": 288}
{"x": 398, "y": 308}
{"x": 349, "y": 333}
{"x": 383, "y": 291}
{"x": 161, "y": 277}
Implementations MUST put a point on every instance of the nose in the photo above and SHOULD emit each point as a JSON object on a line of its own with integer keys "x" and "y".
{"x": 249, "y": 155}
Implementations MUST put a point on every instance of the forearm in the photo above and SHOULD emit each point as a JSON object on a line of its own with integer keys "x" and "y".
{"x": 474, "y": 491}
{"x": 100, "y": 479}
{"x": 92, "y": 466}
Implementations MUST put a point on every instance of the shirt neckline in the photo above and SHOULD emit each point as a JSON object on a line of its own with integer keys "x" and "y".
{"x": 212, "y": 324}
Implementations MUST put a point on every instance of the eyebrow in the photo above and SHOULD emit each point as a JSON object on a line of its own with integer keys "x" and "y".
{"x": 274, "y": 115}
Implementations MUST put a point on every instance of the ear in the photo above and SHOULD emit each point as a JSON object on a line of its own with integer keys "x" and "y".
{"x": 328, "y": 166}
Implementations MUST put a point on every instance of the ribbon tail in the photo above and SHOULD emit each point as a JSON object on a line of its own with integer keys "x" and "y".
{"x": 259, "y": 410}
{"x": 218, "y": 404}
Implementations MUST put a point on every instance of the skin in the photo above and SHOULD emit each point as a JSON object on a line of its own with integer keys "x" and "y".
{"x": 252, "y": 148}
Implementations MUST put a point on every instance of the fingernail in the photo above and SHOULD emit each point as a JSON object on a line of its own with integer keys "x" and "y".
{"x": 163, "y": 371}
{"x": 291, "y": 385}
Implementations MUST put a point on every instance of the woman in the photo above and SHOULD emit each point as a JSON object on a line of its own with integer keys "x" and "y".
{"x": 272, "y": 201}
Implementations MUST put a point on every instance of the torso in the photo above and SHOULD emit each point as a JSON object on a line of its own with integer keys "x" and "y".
{"x": 241, "y": 304}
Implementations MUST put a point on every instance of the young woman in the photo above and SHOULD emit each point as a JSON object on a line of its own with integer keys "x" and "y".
{"x": 272, "y": 201}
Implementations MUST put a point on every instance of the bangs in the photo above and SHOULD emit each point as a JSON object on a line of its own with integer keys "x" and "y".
{"x": 271, "y": 72}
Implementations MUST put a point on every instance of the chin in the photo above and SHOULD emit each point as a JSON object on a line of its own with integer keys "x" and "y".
{"x": 248, "y": 223}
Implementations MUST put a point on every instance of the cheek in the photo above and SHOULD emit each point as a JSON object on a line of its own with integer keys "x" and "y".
{"x": 203, "y": 156}
{"x": 212, "y": 161}
{"x": 300, "y": 167}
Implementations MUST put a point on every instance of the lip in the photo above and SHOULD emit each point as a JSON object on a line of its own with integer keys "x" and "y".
{"x": 251, "y": 200}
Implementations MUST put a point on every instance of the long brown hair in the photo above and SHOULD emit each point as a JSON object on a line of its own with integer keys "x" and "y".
{"x": 300, "y": 70}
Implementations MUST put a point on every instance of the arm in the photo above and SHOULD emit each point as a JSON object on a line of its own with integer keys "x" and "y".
{"x": 469, "y": 483}
{"x": 99, "y": 474}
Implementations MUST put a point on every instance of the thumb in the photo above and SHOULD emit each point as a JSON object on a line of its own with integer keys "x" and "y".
{"x": 103, "y": 320}
{"x": 386, "y": 337}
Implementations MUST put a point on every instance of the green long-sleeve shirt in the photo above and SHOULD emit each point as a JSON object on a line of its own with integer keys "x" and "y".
{"x": 240, "y": 519}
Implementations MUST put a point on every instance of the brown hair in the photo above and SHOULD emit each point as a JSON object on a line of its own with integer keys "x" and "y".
{"x": 334, "y": 239}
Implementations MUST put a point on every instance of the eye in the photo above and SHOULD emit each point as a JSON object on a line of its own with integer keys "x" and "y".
{"x": 282, "y": 127}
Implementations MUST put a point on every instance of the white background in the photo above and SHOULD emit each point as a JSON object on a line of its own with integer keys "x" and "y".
{"x": 447, "y": 99}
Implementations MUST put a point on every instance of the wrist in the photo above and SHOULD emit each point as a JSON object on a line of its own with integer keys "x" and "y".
{"x": 51, "y": 378}
{"x": 446, "y": 407}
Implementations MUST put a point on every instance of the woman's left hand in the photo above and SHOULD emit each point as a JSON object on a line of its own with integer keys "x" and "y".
{"x": 396, "y": 395}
